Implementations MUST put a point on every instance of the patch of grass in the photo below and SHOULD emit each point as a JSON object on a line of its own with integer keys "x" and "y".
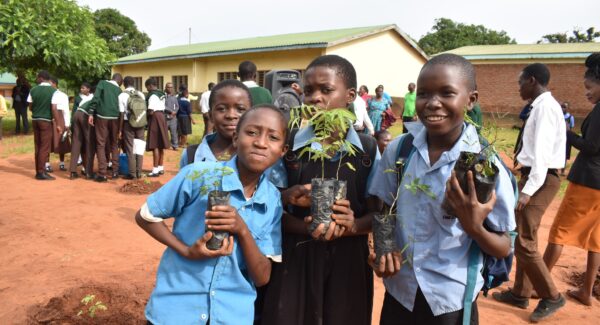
{"x": 11, "y": 144}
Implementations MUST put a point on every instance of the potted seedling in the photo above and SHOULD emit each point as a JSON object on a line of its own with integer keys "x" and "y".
{"x": 330, "y": 129}
{"x": 481, "y": 164}
{"x": 212, "y": 179}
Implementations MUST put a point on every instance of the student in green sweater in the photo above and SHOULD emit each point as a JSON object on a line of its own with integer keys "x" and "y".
{"x": 106, "y": 118}
{"x": 409, "y": 106}
{"x": 247, "y": 73}
{"x": 42, "y": 113}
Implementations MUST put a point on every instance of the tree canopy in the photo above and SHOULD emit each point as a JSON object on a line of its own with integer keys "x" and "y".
{"x": 590, "y": 35}
{"x": 55, "y": 35}
{"x": 120, "y": 33}
{"x": 447, "y": 35}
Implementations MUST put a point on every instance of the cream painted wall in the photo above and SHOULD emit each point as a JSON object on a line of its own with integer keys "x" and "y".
{"x": 384, "y": 58}
{"x": 201, "y": 71}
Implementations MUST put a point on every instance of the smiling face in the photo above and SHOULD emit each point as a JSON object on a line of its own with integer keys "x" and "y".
{"x": 261, "y": 140}
{"x": 84, "y": 90}
{"x": 230, "y": 103}
{"x": 324, "y": 89}
{"x": 592, "y": 90}
{"x": 443, "y": 94}
{"x": 383, "y": 141}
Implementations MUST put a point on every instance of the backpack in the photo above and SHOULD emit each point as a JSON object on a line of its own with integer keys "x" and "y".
{"x": 136, "y": 108}
{"x": 495, "y": 271}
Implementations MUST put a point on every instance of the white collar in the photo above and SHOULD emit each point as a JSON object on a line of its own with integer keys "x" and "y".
{"x": 250, "y": 83}
{"x": 113, "y": 82}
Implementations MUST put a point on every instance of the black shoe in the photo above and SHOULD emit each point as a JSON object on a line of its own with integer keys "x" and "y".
{"x": 100, "y": 179}
{"x": 74, "y": 175}
{"x": 138, "y": 175}
{"x": 508, "y": 297}
{"x": 161, "y": 172}
{"x": 547, "y": 307}
{"x": 90, "y": 176}
{"x": 62, "y": 167}
{"x": 43, "y": 177}
{"x": 153, "y": 174}
{"x": 49, "y": 169}
{"x": 128, "y": 177}
{"x": 83, "y": 173}
{"x": 115, "y": 175}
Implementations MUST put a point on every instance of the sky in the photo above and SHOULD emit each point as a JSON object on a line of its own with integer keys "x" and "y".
{"x": 168, "y": 22}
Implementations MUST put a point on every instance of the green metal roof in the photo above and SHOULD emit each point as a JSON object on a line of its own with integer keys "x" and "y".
{"x": 527, "y": 51}
{"x": 8, "y": 79}
{"x": 319, "y": 39}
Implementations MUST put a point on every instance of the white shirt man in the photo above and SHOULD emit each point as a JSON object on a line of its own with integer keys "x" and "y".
{"x": 362, "y": 116}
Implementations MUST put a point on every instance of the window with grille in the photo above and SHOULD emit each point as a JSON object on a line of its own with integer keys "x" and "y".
{"x": 227, "y": 75}
{"x": 260, "y": 77}
{"x": 178, "y": 81}
{"x": 137, "y": 83}
{"x": 159, "y": 81}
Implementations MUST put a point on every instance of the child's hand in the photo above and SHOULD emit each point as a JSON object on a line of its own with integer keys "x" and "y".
{"x": 225, "y": 218}
{"x": 298, "y": 195}
{"x": 320, "y": 233}
{"x": 389, "y": 264}
{"x": 199, "y": 251}
{"x": 469, "y": 211}
{"x": 343, "y": 217}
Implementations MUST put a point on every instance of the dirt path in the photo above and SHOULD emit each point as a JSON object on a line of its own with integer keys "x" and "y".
{"x": 65, "y": 239}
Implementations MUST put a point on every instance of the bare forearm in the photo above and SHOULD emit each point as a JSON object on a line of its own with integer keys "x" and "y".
{"x": 293, "y": 225}
{"x": 259, "y": 266}
{"x": 160, "y": 232}
{"x": 497, "y": 245}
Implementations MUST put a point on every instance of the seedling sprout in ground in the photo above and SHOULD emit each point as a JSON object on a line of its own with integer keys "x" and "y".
{"x": 93, "y": 306}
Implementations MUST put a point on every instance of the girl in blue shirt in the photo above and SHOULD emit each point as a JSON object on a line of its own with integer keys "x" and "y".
{"x": 195, "y": 285}
{"x": 377, "y": 106}
{"x": 228, "y": 100}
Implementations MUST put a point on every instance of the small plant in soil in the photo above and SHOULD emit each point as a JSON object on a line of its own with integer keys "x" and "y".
{"x": 330, "y": 126}
{"x": 212, "y": 179}
{"x": 481, "y": 164}
{"x": 88, "y": 300}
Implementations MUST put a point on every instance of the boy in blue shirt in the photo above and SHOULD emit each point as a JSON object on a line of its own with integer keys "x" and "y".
{"x": 195, "y": 285}
{"x": 429, "y": 288}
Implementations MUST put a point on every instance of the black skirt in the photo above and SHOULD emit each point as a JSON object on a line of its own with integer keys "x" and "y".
{"x": 158, "y": 137}
{"x": 184, "y": 125}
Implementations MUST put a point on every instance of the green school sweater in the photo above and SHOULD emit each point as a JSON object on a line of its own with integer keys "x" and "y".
{"x": 41, "y": 105}
{"x": 105, "y": 103}
{"x": 260, "y": 95}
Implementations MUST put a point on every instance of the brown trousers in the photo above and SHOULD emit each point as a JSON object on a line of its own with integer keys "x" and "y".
{"x": 82, "y": 143}
{"x": 129, "y": 134}
{"x": 107, "y": 133}
{"x": 532, "y": 272}
{"x": 42, "y": 139}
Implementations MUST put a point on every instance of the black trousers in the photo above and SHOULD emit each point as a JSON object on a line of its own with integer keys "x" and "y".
{"x": 21, "y": 115}
{"x": 393, "y": 313}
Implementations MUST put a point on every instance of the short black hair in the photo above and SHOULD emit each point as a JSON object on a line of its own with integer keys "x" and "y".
{"x": 151, "y": 81}
{"x": 539, "y": 71}
{"x": 381, "y": 133}
{"x": 211, "y": 85}
{"x": 54, "y": 80}
{"x": 592, "y": 63}
{"x": 342, "y": 67}
{"x": 467, "y": 70}
{"x": 128, "y": 81}
{"x": 270, "y": 107}
{"x": 224, "y": 84}
{"x": 365, "y": 87}
{"x": 44, "y": 74}
{"x": 117, "y": 77}
{"x": 247, "y": 70}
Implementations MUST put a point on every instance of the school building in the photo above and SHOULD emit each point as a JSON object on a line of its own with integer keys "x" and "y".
{"x": 380, "y": 54}
{"x": 498, "y": 68}
{"x": 7, "y": 82}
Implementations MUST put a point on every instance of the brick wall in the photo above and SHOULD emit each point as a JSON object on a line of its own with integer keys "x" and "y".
{"x": 499, "y": 91}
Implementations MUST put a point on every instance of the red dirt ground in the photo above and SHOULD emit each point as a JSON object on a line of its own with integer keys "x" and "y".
{"x": 63, "y": 239}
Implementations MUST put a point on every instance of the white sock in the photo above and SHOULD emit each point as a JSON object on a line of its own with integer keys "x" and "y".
{"x": 79, "y": 160}
{"x": 47, "y": 164}
{"x": 62, "y": 163}
{"x": 161, "y": 168}
{"x": 110, "y": 164}
{"x": 83, "y": 169}
{"x": 155, "y": 170}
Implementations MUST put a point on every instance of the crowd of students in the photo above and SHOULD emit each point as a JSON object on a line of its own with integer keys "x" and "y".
{"x": 272, "y": 269}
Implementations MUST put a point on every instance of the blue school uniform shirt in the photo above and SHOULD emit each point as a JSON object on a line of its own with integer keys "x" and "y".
{"x": 278, "y": 173}
{"x": 220, "y": 289}
{"x": 437, "y": 250}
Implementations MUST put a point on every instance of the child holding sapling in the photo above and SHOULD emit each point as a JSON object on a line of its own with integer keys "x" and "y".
{"x": 324, "y": 277}
{"x": 426, "y": 283}
{"x": 195, "y": 284}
